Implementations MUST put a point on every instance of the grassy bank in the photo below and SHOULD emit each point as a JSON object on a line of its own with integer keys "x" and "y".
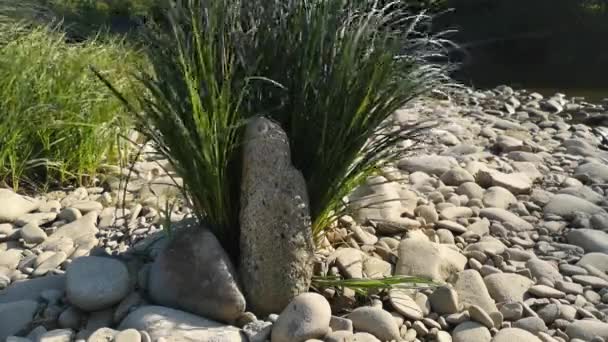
{"x": 59, "y": 122}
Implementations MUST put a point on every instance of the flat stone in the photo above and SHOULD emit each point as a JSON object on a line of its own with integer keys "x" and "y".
{"x": 429, "y": 260}
{"x": 35, "y": 219}
{"x": 129, "y": 335}
{"x": 544, "y": 291}
{"x": 586, "y": 330}
{"x": 568, "y": 206}
{"x": 32, "y": 234}
{"x": 517, "y": 182}
{"x": 96, "y": 283}
{"x": 472, "y": 290}
{"x": 30, "y": 289}
{"x": 349, "y": 261}
{"x": 471, "y": 190}
{"x": 583, "y": 192}
{"x": 307, "y": 316}
{"x": 82, "y": 232}
{"x": 498, "y": 197}
{"x": 451, "y": 225}
{"x": 59, "y": 335}
{"x": 597, "y": 260}
{"x": 50, "y": 264}
{"x": 594, "y": 173}
{"x": 511, "y": 311}
{"x": 515, "y": 334}
{"x": 174, "y": 325}
{"x": 13, "y": 206}
{"x": 453, "y": 213}
{"x": 569, "y": 287}
{"x": 509, "y": 220}
{"x": 375, "y": 321}
{"x": 589, "y": 239}
{"x": 405, "y": 305}
{"x": 470, "y": 331}
{"x": 588, "y": 280}
{"x": 531, "y": 324}
{"x": 430, "y": 164}
{"x": 487, "y": 244}
{"x": 543, "y": 269}
{"x": 504, "y": 287}
{"x": 479, "y": 315}
{"x": 444, "y": 300}
{"x": 456, "y": 176}
{"x": 549, "y": 313}
{"x": 87, "y": 206}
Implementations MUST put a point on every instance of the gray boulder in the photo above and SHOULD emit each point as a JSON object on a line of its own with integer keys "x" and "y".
{"x": 16, "y": 316}
{"x": 276, "y": 243}
{"x": 174, "y": 325}
{"x": 193, "y": 273}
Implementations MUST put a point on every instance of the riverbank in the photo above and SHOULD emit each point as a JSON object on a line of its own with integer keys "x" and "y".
{"x": 503, "y": 205}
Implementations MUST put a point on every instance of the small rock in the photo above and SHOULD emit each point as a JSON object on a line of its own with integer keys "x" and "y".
{"x": 307, "y": 316}
{"x": 480, "y": 316}
{"x": 515, "y": 334}
{"x": 375, "y": 321}
{"x": 431, "y": 164}
{"x": 511, "y": 311}
{"x": 32, "y": 234}
{"x": 543, "y": 269}
{"x": 456, "y": 176}
{"x": 594, "y": 282}
{"x": 589, "y": 239}
{"x": 12, "y": 205}
{"x": 504, "y": 287}
{"x": 498, "y": 197}
{"x": 427, "y": 259}
{"x": 511, "y": 221}
{"x": 471, "y": 331}
{"x": 444, "y": 300}
{"x": 544, "y": 291}
{"x": 129, "y": 335}
{"x": 472, "y": 290}
{"x": 96, "y": 283}
{"x": 405, "y": 305}
{"x": 517, "y": 183}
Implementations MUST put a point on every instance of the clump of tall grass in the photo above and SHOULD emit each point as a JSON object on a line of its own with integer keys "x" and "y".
{"x": 344, "y": 68}
{"x": 58, "y": 121}
{"x": 330, "y": 72}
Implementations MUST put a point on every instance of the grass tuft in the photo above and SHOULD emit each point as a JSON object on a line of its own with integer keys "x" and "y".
{"x": 58, "y": 121}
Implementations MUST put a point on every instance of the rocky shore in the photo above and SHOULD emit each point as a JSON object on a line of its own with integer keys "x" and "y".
{"x": 504, "y": 206}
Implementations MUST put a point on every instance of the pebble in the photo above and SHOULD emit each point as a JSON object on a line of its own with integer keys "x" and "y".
{"x": 96, "y": 283}
{"x": 544, "y": 291}
{"x": 471, "y": 331}
{"x": 375, "y": 321}
{"x": 310, "y": 312}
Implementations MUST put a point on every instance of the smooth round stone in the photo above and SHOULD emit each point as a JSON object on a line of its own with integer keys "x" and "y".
{"x": 307, "y": 316}
{"x": 471, "y": 331}
{"x": 571, "y": 270}
{"x": 96, "y": 283}
{"x": 451, "y": 226}
{"x": 375, "y": 321}
{"x": 531, "y": 324}
{"x": 31, "y": 233}
{"x": 479, "y": 315}
{"x": 405, "y": 305}
{"x": 587, "y": 280}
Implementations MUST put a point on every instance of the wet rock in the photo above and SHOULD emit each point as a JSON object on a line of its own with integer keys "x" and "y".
{"x": 16, "y": 316}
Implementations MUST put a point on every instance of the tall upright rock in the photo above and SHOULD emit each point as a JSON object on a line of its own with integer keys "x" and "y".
{"x": 277, "y": 247}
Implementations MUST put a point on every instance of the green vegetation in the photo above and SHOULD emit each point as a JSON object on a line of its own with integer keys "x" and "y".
{"x": 329, "y": 73}
{"x": 58, "y": 121}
